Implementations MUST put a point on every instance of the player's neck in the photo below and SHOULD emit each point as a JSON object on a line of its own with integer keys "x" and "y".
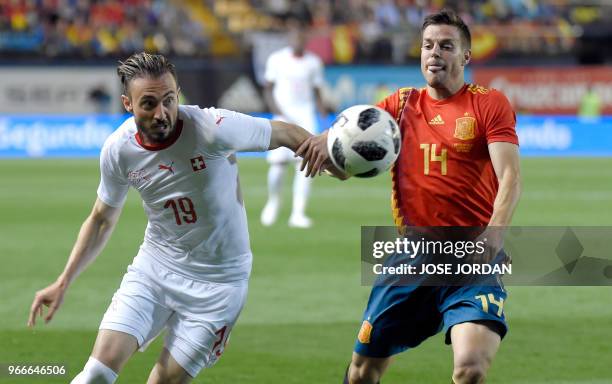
{"x": 445, "y": 92}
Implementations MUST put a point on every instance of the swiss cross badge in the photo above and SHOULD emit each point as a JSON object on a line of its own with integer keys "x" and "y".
{"x": 197, "y": 163}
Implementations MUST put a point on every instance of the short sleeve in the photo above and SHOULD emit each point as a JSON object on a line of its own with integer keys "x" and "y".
{"x": 270, "y": 72}
{"x": 395, "y": 102}
{"x": 390, "y": 104}
{"x": 500, "y": 119}
{"x": 113, "y": 187}
{"x": 237, "y": 132}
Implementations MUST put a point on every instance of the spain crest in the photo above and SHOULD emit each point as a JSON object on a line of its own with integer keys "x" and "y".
{"x": 365, "y": 332}
{"x": 465, "y": 128}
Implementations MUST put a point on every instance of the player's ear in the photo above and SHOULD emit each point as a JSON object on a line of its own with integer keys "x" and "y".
{"x": 467, "y": 56}
{"x": 127, "y": 103}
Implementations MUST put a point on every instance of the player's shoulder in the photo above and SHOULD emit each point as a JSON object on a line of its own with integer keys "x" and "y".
{"x": 197, "y": 117}
{"x": 406, "y": 92}
{"x": 195, "y": 113}
{"x": 280, "y": 54}
{"x": 395, "y": 102}
{"x": 485, "y": 94}
{"x": 489, "y": 101}
{"x": 207, "y": 121}
{"x": 407, "y": 95}
{"x": 313, "y": 57}
{"x": 121, "y": 135}
{"x": 116, "y": 143}
{"x": 403, "y": 93}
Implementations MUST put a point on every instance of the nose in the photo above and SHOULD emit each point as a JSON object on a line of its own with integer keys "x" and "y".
{"x": 435, "y": 51}
{"x": 160, "y": 112}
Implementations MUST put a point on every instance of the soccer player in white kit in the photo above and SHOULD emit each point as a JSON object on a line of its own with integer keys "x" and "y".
{"x": 191, "y": 272}
{"x": 294, "y": 78}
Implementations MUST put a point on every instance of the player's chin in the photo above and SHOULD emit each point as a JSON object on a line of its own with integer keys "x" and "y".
{"x": 159, "y": 135}
{"x": 434, "y": 81}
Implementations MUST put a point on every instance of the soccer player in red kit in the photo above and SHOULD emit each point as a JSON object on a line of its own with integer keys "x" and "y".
{"x": 458, "y": 166}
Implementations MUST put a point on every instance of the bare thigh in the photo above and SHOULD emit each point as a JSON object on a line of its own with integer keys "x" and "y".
{"x": 474, "y": 347}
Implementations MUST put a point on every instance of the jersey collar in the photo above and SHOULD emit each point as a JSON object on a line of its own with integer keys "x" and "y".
{"x": 450, "y": 99}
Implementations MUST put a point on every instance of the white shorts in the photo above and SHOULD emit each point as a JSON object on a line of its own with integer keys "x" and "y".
{"x": 199, "y": 315}
{"x": 282, "y": 154}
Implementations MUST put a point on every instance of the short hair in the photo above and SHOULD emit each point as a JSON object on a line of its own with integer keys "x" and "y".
{"x": 144, "y": 65}
{"x": 449, "y": 17}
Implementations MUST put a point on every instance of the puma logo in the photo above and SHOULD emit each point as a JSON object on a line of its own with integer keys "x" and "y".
{"x": 169, "y": 168}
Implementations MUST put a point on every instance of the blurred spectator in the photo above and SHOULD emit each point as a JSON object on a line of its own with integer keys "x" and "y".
{"x": 98, "y": 27}
{"x": 350, "y": 30}
{"x": 101, "y": 98}
{"x": 591, "y": 104}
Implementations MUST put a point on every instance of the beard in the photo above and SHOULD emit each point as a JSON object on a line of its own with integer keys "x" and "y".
{"x": 156, "y": 132}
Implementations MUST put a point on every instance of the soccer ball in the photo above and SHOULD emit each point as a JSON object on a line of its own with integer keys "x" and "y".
{"x": 363, "y": 141}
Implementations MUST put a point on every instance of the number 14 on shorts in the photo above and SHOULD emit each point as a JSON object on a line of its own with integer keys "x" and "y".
{"x": 489, "y": 299}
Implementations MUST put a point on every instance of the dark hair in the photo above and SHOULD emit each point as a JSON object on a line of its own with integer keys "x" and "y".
{"x": 144, "y": 65}
{"x": 448, "y": 17}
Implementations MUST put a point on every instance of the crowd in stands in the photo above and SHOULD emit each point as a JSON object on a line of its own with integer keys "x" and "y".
{"x": 389, "y": 30}
{"x": 354, "y": 30}
{"x": 97, "y": 28}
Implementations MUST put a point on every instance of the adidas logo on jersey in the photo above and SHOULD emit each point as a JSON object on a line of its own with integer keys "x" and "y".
{"x": 436, "y": 120}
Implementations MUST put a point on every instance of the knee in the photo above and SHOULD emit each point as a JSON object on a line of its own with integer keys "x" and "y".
{"x": 470, "y": 374}
{"x": 362, "y": 372}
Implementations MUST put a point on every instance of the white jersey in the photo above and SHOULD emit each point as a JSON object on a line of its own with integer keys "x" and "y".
{"x": 197, "y": 223}
{"x": 295, "y": 78}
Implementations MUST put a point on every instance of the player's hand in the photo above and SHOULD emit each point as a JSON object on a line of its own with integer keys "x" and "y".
{"x": 493, "y": 240}
{"x": 316, "y": 158}
{"x": 52, "y": 297}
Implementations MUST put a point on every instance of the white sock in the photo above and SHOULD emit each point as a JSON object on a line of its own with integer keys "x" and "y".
{"x": 275, "y": 182}
{"x": 95, "y": 372}
{"x": 301, "y": 191}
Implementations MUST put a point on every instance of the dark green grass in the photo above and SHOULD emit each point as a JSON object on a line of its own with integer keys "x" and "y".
{"x": 305, "y": 298}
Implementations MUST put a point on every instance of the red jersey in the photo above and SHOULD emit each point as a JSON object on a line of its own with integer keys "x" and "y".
{"x": 444, "y": 175}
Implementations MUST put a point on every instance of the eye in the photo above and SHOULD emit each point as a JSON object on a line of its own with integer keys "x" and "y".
{"x": 148, "y": 104}
{"x": 169, "y": 101}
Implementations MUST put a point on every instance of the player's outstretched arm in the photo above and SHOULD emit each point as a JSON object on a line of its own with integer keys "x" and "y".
{"x": 316, "y": 157}
{"x": 287, "y": 135}
{"x": 92, "y": 238}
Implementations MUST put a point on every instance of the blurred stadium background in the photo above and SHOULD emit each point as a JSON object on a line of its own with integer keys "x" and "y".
{"x": 59, "y": 100}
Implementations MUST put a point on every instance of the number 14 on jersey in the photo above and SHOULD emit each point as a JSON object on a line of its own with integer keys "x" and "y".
{"x": 430, "y": 155}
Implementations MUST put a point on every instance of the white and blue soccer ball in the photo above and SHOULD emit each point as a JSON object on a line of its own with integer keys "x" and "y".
{"x": 364, "y": 141}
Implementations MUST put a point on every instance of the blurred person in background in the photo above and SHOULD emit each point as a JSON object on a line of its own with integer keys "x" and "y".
{"x": 292, "y": 91}
{"x": 591, "y": 104}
